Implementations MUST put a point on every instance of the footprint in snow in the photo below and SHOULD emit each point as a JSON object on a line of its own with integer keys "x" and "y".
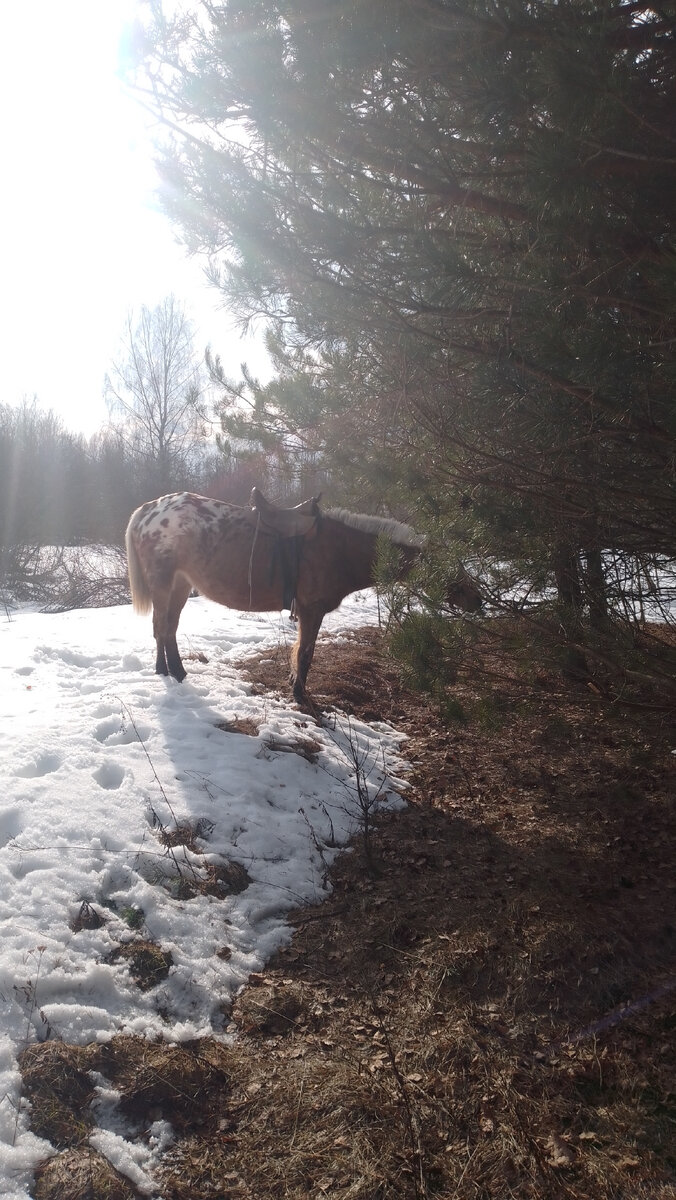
{"x": 11, "y": 824}
{"x": 44, "y": 764}
{"x": 109, "y": 776}
{"x": 116, "y": 731}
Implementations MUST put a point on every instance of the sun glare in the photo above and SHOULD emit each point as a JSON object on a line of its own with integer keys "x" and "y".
{"x": 82, "y": 238}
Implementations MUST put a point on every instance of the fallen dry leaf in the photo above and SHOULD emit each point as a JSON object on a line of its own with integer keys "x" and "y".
{"x": 559, "y": 1153}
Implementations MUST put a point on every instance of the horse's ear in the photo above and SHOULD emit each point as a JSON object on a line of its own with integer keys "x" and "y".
{"x": 315, "y": 500}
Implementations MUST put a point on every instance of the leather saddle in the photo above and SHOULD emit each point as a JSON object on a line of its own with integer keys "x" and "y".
{"x": 286, "y": 522}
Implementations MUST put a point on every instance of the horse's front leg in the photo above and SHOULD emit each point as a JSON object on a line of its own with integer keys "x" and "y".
{"x": 309, "y": 621}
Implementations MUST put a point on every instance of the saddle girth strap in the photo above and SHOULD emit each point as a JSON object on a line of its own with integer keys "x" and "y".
{"x": 287, "y": 551}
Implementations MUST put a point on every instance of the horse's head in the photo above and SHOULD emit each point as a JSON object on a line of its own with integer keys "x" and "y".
{"x": 463, "y": 592}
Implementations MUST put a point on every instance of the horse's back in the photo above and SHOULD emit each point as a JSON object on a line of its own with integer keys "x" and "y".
{"x": 178, "y": 512}
{"x": 216, "y": 546}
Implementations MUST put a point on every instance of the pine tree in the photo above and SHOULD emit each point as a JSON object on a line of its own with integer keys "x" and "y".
{"x": 459, "y": 220}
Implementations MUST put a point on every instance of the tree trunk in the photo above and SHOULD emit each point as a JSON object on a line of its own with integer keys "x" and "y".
{"x": 569, "y": 588}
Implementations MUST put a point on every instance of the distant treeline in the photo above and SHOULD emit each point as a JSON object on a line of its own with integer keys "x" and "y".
{"x": 58, "y": 487}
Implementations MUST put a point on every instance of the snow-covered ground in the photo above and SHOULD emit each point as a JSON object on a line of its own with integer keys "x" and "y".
{"x": 98, "y": 755}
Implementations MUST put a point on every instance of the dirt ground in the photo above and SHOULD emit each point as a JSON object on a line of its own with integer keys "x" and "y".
{"x": 485, "y": 1006}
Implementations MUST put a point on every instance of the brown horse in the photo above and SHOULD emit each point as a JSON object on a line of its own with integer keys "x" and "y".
{"x": 234, "y": 557}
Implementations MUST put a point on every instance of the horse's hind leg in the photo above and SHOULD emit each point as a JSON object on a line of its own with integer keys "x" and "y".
{"x": 179, "y": 594}
{"x": 161, "y": 667}
{"x": 160, "y": 601}
{"x": 167, "y": 607}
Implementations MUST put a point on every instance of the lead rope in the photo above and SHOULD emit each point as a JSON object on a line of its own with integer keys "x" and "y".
{"x": 253, "y": 547}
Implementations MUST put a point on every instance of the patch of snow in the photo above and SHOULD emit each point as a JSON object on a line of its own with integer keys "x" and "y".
{"x": 97, "y": 755}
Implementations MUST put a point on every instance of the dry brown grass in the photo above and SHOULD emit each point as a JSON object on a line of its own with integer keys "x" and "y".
{"x": 153, "y": 1077}
{"x": 224, "y": 878}
{"x": 81, "y": 1175}
{"x": 57, "y": 1082}
{"x": 148, "y": 963}
{"x": 483, "y": 1009}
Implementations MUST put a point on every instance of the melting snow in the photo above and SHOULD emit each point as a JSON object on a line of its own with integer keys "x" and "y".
{"x": 97, "y": 755}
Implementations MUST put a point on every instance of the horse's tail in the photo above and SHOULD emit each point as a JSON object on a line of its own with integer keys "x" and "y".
{"x": 140, "y": 592}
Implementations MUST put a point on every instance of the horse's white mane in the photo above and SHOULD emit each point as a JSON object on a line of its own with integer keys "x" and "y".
{"x": 401, "y": 535}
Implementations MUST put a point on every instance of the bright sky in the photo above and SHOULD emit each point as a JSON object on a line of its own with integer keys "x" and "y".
{"x": 82, "y": 238}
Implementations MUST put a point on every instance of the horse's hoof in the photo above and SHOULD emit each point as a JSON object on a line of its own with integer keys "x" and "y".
{"x": 306, "y": 704}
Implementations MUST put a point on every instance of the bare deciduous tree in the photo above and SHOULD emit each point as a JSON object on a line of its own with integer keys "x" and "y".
{"x": 155, "y": 388}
